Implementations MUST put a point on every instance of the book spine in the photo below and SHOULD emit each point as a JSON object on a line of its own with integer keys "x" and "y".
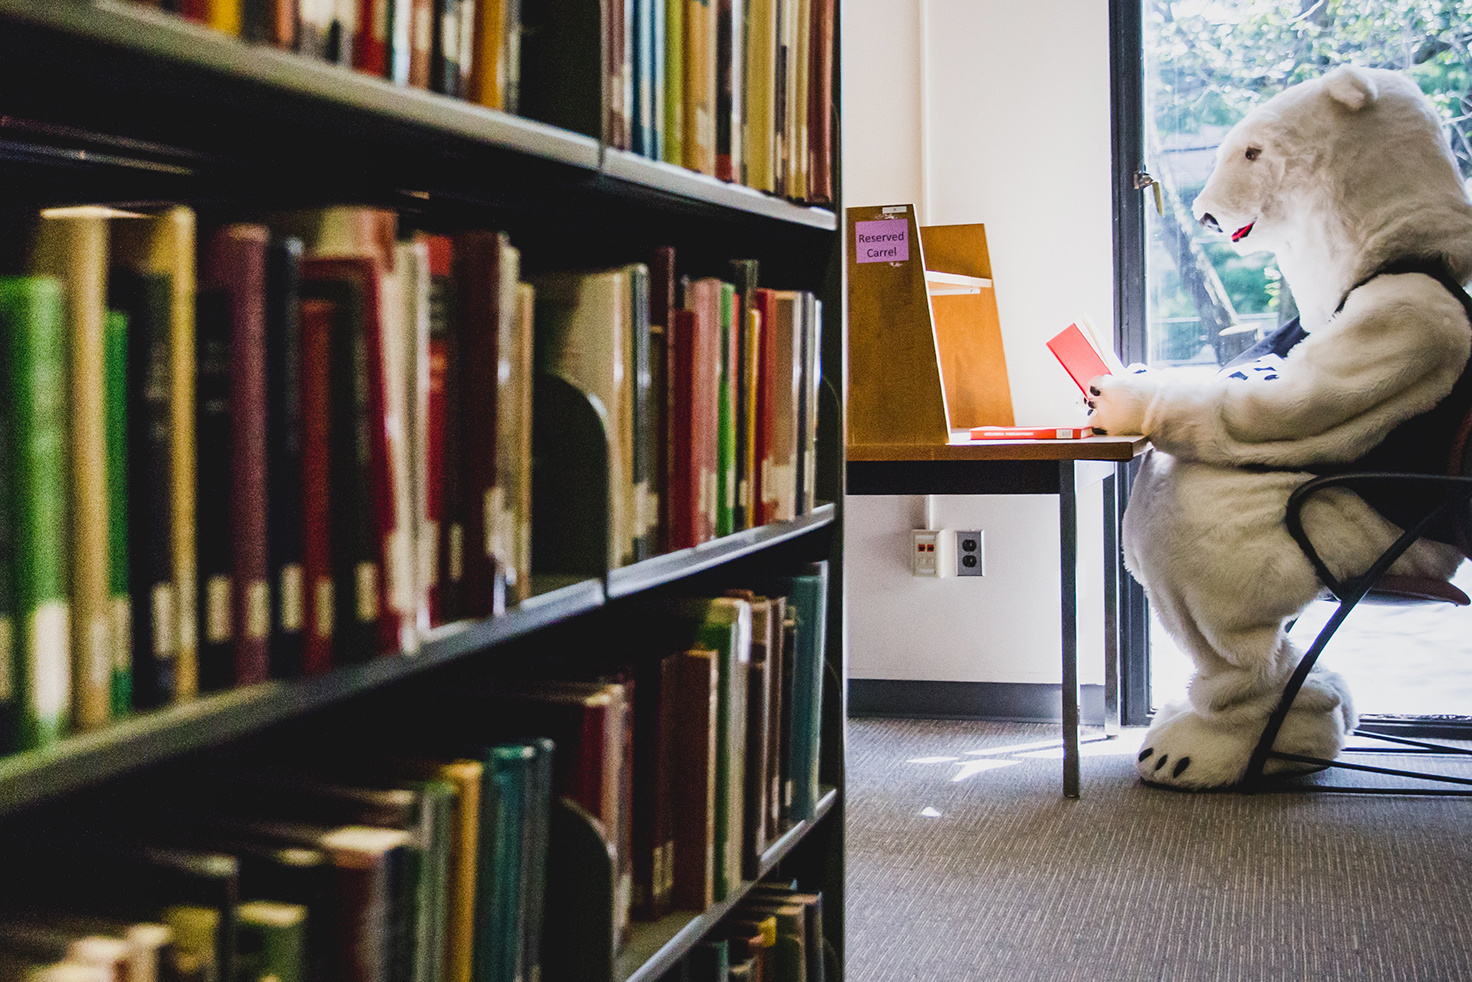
{"x": 34, "y": 314}
{"x": 176, "y": 243}
{"x": 521, "y": 479}
{"x": 421, "y": 42}
{"x": 761, "y": 94}
{"x": 74, "y": 249}
{"x": 700, "y": 85}
{"x": 370, "y": 43}
{"x": 682, "y": 482}
{"x": 767, "y": 372}
{"x": 319, "y": 614}
{"x": 726, "y": 415}
{"x": 236, "y": 263}
{"x": 284, "y": 466}
{"x": 9, "y": 708}
{"x": 488, "y": 78}
{"x": 661, "y": 309}
{"x": 216, "y": 628}
{"x": 695, "y": 780}
{"x": 744, "y": 272}
{"x": 820, "y": 132}
{"x": 672, "y": 150}
{"x": 120, "y": 679}
{"x": 444, "y": 479}
{"x": 147, "y": 299}
{"x": 501, "y": 511}
{"x": 642, "y": 510}
{"x": 414, "y": 266}
{"x": 478, "y": 257}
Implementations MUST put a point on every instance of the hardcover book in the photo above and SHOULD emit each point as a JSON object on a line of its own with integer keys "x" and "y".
{"x": 33, "y": 312}
{"x": 74, "y": 249}
{"x": 235, "y": 265}
{"x": 146, "y": 298}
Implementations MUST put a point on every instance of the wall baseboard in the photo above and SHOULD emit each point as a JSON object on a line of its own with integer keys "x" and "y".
{"x": 1024, "y": 702}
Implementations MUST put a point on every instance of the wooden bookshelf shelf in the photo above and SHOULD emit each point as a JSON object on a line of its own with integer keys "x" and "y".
{"x": 656, "y": 946}
{"x": 673, "y": 566}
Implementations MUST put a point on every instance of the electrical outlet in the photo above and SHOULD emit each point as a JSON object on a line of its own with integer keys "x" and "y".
{"x": 930, "y": 553}
{"x": 971, "y": 553}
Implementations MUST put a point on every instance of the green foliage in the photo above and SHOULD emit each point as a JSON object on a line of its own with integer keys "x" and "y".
{"x": 1208, "y": 62}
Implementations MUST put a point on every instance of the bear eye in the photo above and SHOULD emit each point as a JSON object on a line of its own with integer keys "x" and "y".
{"x": 1253, "y": 153}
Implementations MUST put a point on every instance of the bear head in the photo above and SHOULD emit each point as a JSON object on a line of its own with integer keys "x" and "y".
{"x": 1336, "y": 176}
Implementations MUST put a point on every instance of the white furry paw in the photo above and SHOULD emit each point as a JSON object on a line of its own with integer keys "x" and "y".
{"x": 1183, "y": 749}
{"x": 1119, "y": 403}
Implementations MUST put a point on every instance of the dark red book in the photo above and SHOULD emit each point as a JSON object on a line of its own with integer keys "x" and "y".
{"x": 443, "y": 478}
{"x": 766, "y": 305}
{"x": 661, "y": 308}
{"x": 362, "y": 536}
{"x": 370, "y": 42}
{"x": 235, "y": 265}
{"x": 696, "y": 682}
{"x": 682, "y": 481}
{"x": 317, "y": 318}
{"x": 479, "y": 256}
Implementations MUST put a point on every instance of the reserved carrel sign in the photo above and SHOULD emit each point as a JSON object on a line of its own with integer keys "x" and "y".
{"x": 883, "y": 241}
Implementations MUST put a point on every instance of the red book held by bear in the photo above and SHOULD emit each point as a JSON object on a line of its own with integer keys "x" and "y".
{"x": 1076, "y": 352}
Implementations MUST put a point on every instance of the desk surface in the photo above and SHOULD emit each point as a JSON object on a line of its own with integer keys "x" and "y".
{"x": 1120, "y": 448}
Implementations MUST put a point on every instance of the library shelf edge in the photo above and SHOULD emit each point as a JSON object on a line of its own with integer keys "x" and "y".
{"x": 32, "y": 777}
{"x": 656, "y": 946}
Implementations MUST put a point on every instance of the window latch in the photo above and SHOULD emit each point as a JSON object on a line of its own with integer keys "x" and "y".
{"x": 1143, "y": 180}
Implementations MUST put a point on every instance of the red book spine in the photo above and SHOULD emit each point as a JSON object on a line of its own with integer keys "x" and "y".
{"x": 235, "y": 262}
{"x": 682, "y": 481}
{"x": 370, "y": 45}
{"x": 766, "y": 302}
{"x": 478, "y": 255}
{"x": 820, "y": 104}
{"x": 316, "y": 395}
{"x": 444, "y": 478}
{"x": 370, "y": 373}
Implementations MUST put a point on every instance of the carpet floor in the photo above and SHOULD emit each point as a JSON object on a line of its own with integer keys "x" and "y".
{"x": 966, "y": 863}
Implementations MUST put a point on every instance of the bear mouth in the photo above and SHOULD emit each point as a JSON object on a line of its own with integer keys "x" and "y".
{"x": 1241, "y": 233}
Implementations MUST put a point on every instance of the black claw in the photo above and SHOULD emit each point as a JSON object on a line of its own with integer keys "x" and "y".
{"x": 1145, "y": 753}
{"x": 1181, "y": 765}
{"x": 1094, "y": 389}
{"x": 1161, "y": 762}
{"x": 1100, "y": 431}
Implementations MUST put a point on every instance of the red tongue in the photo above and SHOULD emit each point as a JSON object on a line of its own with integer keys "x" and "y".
{"x": 1241, "y": 232}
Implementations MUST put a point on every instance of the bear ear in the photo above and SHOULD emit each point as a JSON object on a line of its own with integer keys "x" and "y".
{"x": 1352, "y": 86}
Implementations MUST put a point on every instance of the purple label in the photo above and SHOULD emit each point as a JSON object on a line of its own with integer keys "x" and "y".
{"x": 886, "y": 241}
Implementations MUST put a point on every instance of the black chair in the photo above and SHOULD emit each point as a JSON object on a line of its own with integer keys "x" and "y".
{"x": 1449, "y": 504}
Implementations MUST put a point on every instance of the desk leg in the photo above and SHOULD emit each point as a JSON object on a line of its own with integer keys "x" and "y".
{"x": 1111, "y": 607}
{"x": 1068, "y": 585}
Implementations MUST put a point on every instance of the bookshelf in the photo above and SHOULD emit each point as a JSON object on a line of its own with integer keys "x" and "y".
{"x": 108, "y": 101}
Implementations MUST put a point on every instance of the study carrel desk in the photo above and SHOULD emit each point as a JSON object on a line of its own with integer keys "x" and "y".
{"x": 1061, "y": 467}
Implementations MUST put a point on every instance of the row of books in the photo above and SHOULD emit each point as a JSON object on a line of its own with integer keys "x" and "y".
{"x": 774, "y": 935}
{"x": 459, "y": 48}
{"x": 323, "y": 447}
{"x": 431, "y": 858}
{"x": 739, "y": 89}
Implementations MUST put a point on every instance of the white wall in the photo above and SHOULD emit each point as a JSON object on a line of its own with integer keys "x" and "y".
{"x": 986, "y": 111}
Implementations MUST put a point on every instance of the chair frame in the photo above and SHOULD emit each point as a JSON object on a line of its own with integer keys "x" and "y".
{"x": 1458, "y": 494}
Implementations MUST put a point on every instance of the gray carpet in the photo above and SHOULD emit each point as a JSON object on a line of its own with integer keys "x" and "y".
{"x": 965, "y": 863}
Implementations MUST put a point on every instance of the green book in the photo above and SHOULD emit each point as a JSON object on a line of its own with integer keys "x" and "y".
{"x": 270, "y": 941}
{"x": 34, "y": 338}
{"x": 8, "y": 707}
{"x": 115, "y": 365}
{"x": 807, "y": 595}
{"x": 724, "y": 625}
{"x": 726, "y": 425}
{"x": 500, "y": 943}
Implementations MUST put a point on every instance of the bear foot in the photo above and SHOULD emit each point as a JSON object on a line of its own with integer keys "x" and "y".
{"x": 1185, "y": 750}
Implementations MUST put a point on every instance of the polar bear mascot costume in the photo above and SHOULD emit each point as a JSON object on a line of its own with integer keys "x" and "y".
{"x": 1349, "y": 181}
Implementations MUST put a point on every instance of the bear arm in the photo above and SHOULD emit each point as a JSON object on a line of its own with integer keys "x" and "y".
{"x": 1394, "y": 352}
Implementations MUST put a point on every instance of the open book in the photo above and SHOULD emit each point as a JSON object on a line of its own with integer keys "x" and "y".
{"x": 1082, "y": 353}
